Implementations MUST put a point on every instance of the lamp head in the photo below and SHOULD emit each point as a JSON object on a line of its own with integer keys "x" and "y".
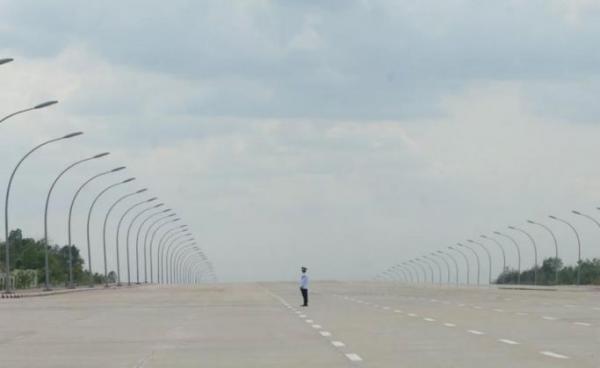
{"x": 159, "y": 205}
{"x": 552, "y": 217}
{"x": 512, "y": 227}
{"x": 167, "y": 210}
{"x": 576, "y": 212}
{"x": 497, "y": 233}
{"x": 5, "y": 60}
{"x": 152, "y": 199}
{"x": 118, "y": 169}
{"x": 101, "y": 155}
{"x": 71, "y": 135}
{"x": 483, "y": 236}
{"x": 530, "y": 222}
{"x": 127, "y": 180}
{"x": 142, "y": 190}
{"x": 45, "y": 104}
{"x": 470, "y": 240}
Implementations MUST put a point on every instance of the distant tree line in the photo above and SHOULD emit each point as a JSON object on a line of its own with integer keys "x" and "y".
{"x": 546, "y": 274}
{"x": 27, "y": 254}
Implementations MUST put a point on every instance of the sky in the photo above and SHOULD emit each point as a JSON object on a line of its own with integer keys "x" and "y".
{"x": 345, "y": 136}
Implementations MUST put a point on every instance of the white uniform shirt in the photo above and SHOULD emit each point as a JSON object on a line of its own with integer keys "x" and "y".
{"x": 304, "y": 281}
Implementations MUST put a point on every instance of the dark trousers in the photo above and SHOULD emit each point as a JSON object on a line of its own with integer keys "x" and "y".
{"x": 304, "y": 296}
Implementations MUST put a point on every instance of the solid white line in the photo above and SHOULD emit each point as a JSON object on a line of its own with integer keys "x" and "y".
{"x": 429, "y": 319}
{"x": 509, "y": 342}
{"x": 582, "y": 324}
{"x": 338, "y": 344}
{"x": 554, "y": 355}
{"x": 449, "y": 325}
{"x": 354, "y": 357}
{"x": 325, "y": 333}
{"x": 475, "y": 332}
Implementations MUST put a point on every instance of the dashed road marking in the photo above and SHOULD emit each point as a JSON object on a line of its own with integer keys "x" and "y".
{"x": 412, "y": 315}
{"x": 354, "y": 357}
{"x": 397, "y": 311}
{"x": 325, "y": 333}
{"x": 338, "y": 344}
{"x": 498, "y": 310}
{"x": 386, "y": 308}
{"x": 522, "y": 314}
{"x": 302, "y": 316}
{"x": 548, "y": 318}
{"x": 509, "y": 342}
{"x": 475, "y": 332}
{"x": 554, "y": 355}
{"x": 309, "y": 321}
{"x": 477, "y": 307}
{"x": 582, "y": 324}
{"x": 449, "y": 325}
{"x": 429, "y": 319}
{"x": 317, "y": 327}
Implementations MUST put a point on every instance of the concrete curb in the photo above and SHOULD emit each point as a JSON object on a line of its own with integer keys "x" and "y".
{"x": 55, "y": 292}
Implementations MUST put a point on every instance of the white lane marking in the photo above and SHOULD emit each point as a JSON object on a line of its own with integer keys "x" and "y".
{"x": 554, "y": 355}
{"x": 325, "y": 333}
{"x": 498, "y": 310}
{"x": 429, "y": 319}
{"x": 298, "y": 312}
{"x": 318, "y": 327}
{"x": 309, "y": 321}
{"x": 449, "y": 325}
{"x": 461, "y": 305}
{"x": 509, "y": 342}
{"x": 582, "y": 324}
{"x": 412, "y": 315}
{"x": 522, "y": 314}
{"x": 398, "y": 311}
{"x": 354, "y": 357}
{"x": 302, "y": 316}
{"x": 475, "y": 332}
{"x": 338, "y": 344}
{"x": 548, "y": 318}
{"x": 386, "y": 308}
{"x": 476, "y": 307}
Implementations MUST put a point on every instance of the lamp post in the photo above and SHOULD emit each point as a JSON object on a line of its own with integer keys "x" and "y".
{"x": 578, "y": 243}
{"x": 501, "y": 250}
{"x": 36, "y": 107}
{"x": 418, "y": 259}
{"x": 47, "y": 268}
{"x": 438, "y": 267}
{"x": 89, "y": 217}
{"x": 476, "y": 259}
{"x": 434, "y": 254}
{"x": 555, "y": 245}
{"x": 518, "y": 253}
{"x": 176, "y": 261}
{"x": 163, "y": 257}
{"x": 166, "y": 235}
{"x": 532, "y": 240}
{"x": 411, "y": 267}
{"x": 137, "y": 241}
{"x": 128, "y": 236}
{"x": 466, "y": 261}
{"x": 171, "y": 261}
{"x": 71, "y": 285}
{"x": 6, "y": 201}
{"x": 168, "y": 217}
{"x": 115, "y": 203}
{"x": 168, "y": 255}
{"x": 166, "y": 239}
{"x": 489, "y": 255}
{"x": 455, "y": 264}
{"x": 152, "y": 242}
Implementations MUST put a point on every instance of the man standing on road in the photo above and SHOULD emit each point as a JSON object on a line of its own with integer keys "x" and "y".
{"x": 304, "y": 287}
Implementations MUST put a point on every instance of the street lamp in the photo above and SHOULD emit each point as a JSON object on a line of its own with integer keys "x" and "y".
{"x": 47, "y": 268}
{"x": 501, "y": 250}
{"x": 6, "y": 201}
{"x": 555, "y": 244}
{"x": 152, "y": 242}
{"x": 137, "y": 240}
{"x": 171, "y": 260}
{"x": 168, "y": 217}
{"x": 88, "y": 232}
{"x": 166, "y": 236}
{"x": 578, "y": 243}
{"x": 438, "y": 267}
{"x": 71, "y": 217}
{"x": 453, "y": 260}
{"x": 429, "y": 266}
{"x": 128, "y": 236}
{"x": 476, "y": 259}
{"x": 166, "y": 239}
{"x": 466, "y": 261}
{"x": 411, "y": 267}
{"x": 36, "y": 107}
{"x": 518, "y": 253}
{"x": 104, "y": 230}
{"x": 489, "y": 255}
{"x": 434, "y": 254}
{"x": 532, "y": 240}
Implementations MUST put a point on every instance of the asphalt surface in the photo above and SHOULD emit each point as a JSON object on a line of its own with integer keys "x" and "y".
{"x": 371, "y": 324}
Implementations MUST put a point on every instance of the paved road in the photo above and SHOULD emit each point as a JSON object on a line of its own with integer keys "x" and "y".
{"x": 260, "y": 325}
